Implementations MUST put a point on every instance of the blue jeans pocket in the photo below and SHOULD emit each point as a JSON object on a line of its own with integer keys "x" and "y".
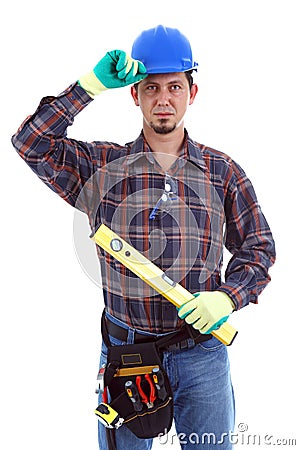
{"x": 211, "y": 345}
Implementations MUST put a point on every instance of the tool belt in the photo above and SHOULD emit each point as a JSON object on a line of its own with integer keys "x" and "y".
{"x": 177, "y": 340}
{"x": 139, "y": 389}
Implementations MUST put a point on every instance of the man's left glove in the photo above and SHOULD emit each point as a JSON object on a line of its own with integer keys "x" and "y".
{"x": 207, "y": 311}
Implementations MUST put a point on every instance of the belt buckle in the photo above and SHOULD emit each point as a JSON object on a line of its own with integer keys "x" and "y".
{"x": 183, "y": 344}
{"x": 173, "y": 347}
{"x": 178, "y": 346}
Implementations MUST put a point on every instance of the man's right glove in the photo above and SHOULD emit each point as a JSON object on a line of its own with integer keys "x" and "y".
{"x": 116, "y": 69}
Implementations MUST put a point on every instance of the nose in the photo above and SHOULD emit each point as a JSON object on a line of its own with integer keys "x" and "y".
{"x": 163, "y": 97}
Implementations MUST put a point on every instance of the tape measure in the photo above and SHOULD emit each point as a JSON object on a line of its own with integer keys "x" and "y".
{"x": 152, "y": 275}
{"x": 108, "y": 416}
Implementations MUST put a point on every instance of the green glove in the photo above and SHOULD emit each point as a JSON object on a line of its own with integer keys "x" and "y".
{"x": 207, "y": 311}
{"x": 116, "y": 69}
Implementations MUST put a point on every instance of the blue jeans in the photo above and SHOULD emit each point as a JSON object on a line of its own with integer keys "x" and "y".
{"x": 203, "y": 397}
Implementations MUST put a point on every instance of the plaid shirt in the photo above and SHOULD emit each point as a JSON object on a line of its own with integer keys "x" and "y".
{"x": 181, "y": 220}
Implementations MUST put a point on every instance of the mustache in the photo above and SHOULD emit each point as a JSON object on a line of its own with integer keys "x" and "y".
{"x": 160, "y": 110}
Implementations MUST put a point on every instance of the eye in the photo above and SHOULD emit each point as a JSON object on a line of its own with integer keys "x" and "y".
{"x": 175, "y": 87}
{"x": 151, "y": 87}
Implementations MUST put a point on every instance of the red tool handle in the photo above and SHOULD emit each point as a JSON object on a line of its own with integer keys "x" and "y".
{"x": 152, "y": 388}
{"x": 105, "y": 395}
{"x": 138, "y": 381}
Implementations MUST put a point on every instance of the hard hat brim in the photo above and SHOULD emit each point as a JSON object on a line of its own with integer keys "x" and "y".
{"x": 152, "y": 70}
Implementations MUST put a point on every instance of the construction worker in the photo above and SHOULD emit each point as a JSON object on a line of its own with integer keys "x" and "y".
{"x": 176, "y": 222}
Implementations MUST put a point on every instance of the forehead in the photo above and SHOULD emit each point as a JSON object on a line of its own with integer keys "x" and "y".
{"x": 165, "y": 78}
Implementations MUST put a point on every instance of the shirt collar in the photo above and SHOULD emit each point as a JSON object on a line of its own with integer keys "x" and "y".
{"x": 195, "y": 153}
{"x": 191, "y": 151}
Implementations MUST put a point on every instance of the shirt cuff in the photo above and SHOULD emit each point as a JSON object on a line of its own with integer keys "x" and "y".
{"x": 238, "y": 294}
{"x": 74, "y": 99}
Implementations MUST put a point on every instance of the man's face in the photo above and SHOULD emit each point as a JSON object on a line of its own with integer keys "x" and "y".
{"x": 163, "y": 99}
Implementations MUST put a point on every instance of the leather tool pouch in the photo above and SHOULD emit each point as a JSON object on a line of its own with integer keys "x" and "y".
{"x": 138, "y": 386}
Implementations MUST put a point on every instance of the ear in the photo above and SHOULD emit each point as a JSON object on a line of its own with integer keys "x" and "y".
{"x": 193, "y": 93}
{"x": 134, "y": 95}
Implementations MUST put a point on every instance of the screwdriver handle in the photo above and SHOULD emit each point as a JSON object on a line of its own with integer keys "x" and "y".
{"x": 133, "y": 395}
{"x": 159, "y": 382}
{"x": 152, "y": 388}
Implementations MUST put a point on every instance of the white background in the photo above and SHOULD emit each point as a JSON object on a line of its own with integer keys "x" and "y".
{"x": 247, "y": 106}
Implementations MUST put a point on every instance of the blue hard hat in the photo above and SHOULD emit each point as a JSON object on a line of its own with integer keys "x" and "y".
{"x": 163, "y": 50}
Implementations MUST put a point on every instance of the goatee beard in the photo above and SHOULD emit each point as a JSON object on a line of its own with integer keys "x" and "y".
{"x": 162, "y": 128}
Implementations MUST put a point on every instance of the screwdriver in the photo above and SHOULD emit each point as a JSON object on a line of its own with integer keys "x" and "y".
{"x": 152, "y": 389}
{"x": 159, "y": 382}
{"x": 133, "y": 395}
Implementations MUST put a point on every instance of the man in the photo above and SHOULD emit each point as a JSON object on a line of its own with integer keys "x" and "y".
{"x": 171, "y": 197}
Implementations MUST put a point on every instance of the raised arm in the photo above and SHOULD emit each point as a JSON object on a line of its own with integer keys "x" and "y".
{"x": 66, "y": 164}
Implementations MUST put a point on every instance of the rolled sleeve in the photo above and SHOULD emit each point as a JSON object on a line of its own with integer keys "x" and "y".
{"x": 63, "y": 164}
{"x": 249, "y": 240}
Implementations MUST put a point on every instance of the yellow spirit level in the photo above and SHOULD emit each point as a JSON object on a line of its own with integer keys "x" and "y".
{"x": 152, "y": 275}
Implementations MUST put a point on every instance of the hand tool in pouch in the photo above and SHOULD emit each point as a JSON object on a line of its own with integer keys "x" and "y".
{"x": 133, "y": 395}
{"x": 159, "y": 383}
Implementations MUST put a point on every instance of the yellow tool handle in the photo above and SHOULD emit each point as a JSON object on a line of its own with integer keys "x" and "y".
{"x": 152, "y": 275}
